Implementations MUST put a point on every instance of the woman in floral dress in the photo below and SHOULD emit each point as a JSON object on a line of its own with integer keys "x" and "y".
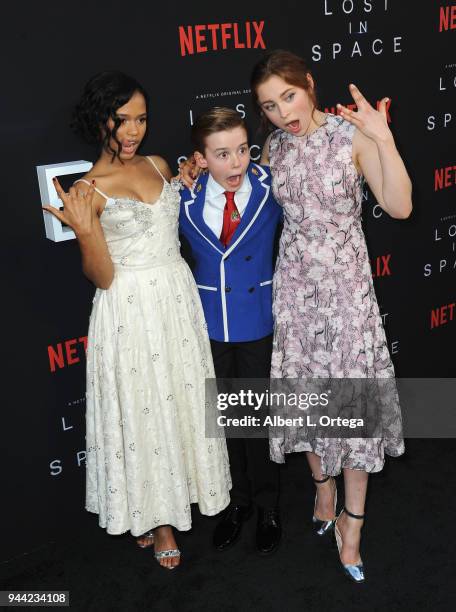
{"x": 327, "y": 321}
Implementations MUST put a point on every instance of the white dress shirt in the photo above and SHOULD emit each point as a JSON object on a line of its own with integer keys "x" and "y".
{"x": 215, "y": 201}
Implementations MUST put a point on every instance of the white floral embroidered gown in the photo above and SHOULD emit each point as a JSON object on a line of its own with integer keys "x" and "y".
{"x": 148, "y": 356}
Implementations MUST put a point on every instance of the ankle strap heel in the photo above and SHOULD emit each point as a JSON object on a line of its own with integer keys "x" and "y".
{"x": 325, "y": 479}
{"x": 321, "y": 526}
{"x": 354, "y": 571}
{"x": 355, "y": 516}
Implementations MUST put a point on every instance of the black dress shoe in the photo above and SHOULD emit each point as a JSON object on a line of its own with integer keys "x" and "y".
{"x": 229, "y": 528}
{"x": 269, "y": 530}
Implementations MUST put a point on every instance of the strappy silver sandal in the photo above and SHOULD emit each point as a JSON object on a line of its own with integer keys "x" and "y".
{"x": 354, "y": 571}
{"x": 324, "y": 526}
{"x": 150, "y": 537}
{"x": 165, "y": 554}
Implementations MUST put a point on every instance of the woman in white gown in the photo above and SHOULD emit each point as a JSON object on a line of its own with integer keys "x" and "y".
{"x": 148, "y": 351}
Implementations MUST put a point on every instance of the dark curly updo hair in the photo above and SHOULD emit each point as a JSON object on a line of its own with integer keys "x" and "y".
{"x": 103, "y": 94}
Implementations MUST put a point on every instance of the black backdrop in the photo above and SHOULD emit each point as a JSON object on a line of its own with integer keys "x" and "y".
{"x": 405, "y": 50}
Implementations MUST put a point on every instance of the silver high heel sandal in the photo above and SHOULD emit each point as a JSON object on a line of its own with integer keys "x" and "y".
{"x": 165, "y": 554}
{"x": 354, "y": 571}
{"x": 323, "y": 527}
{"x": 149, "y": 537}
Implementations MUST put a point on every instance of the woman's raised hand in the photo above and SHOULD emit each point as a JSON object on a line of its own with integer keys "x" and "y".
{"x": 372, "y": 123}
{"x": 78, "y": 211}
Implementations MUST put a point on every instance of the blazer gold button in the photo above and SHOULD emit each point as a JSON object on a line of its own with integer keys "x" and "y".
{"x": 251, "y": 289}
{"x": 227, "y": 289}
{"x": 248, "y": 258}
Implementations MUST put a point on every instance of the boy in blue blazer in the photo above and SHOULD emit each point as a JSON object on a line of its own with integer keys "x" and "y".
{"x": 229, "y": 219}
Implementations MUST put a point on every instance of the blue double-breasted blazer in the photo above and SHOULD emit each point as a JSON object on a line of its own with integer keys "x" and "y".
{"x": 235, "y": 283}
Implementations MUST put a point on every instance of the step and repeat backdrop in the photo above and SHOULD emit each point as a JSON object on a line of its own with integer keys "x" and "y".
{"x": 189, "y": 58}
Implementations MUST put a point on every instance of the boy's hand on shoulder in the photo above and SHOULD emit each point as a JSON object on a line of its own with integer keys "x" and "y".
{"x": 189, "y": 171}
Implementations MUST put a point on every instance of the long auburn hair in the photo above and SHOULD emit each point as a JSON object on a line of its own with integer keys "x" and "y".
{"x": 286, "y": 65}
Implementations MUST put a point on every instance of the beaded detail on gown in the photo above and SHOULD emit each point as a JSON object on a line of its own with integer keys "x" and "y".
{"x": 326, "y": 316}
{"x": 148, "y": 356}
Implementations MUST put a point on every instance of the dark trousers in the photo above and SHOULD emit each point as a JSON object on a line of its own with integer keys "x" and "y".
{"x": 255, "y": 477}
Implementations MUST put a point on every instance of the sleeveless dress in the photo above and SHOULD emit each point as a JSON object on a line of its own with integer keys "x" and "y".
{"x": 147, "y": 359}
{"x": 326, "y": 318}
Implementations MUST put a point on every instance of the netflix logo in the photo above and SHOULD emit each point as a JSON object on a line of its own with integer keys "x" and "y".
{"x": 221, "y": 36}
{"x": 335, "y": 111}
{"x": 381, "y": 266}
{"x": 442, "y": 315}
{"x": 67, "y": 353}
{"x": 444, "y": 177}
{"x": 447, "y": 18}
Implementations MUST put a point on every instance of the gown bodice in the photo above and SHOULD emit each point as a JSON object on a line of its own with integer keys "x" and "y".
{"x": 141, "y": 235}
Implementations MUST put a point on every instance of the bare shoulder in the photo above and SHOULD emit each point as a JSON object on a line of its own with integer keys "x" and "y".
{"x": 162, "y": 165}
{"x": 82, "y": 185}
{"x": 94, "y": 174}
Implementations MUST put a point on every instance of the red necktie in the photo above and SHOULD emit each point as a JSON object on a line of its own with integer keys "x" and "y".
{"x": 231, "y": 218}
